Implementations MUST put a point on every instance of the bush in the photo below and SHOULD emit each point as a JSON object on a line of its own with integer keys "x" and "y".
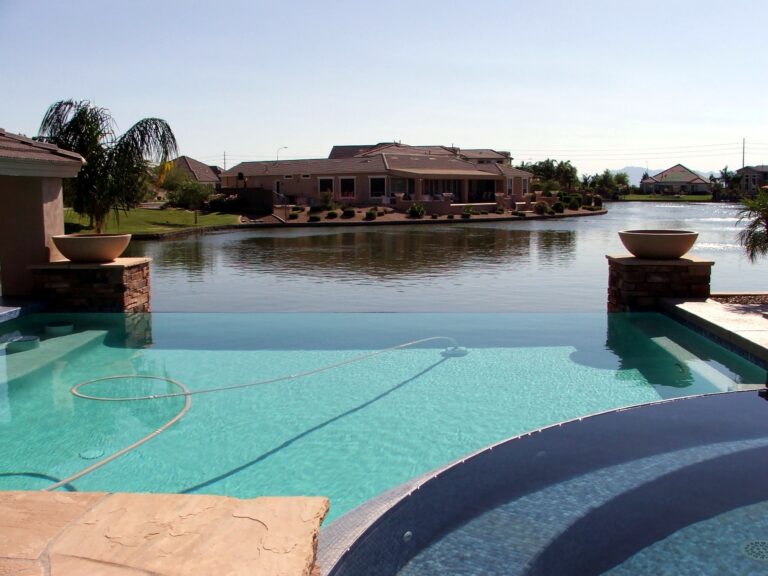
{"x": 348, "y": 213}
{"x": 315, "y": 209}
{"x": 434, "y": 216}
{"x": 382, "y": 212}
{"x": 370, "y": 215}
{"x": 484, "y": 212}
{"x": 416, "y": 210}
{"x": 466, "y": 214}
{"x": 597, "y": 201}
{"x": 314, "y": 218}
{"x": 450, "y": 216}
{"x": 550, "y": 212}
{"x": 500, "y": 210}
{"x": 574, "y": 204}
{"x": 297, "y": 208}
{"x": 326, "y": 201}
{"x": 547, "y": 193}
{"x": 575, "y": 198}
{"x": 558, "y": 207}
{"x": 332, "y": 214}
{"x": 293, "y": 215}
{"x": 231, "y": 204}
{"x": 520, "y": 213}
{"x": 540, "y": 208}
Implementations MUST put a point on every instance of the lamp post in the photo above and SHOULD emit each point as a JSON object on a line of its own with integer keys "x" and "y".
{"x": 277, "y": 154}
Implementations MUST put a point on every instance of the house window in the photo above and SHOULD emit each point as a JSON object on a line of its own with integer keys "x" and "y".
{"x": 288, "y": 176}
{"x": 378, "y": 186}
{"x": 347, "y": 187}
{"x": 325, "y": 185}
{"x": 397, "y": 185}
{"x": 305, "y": 176}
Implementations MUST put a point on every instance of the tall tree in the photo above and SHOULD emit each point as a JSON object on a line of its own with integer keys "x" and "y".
{"x": 116, "y": 168}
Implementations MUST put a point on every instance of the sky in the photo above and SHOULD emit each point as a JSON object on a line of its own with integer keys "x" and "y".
{"x": 605, "y": 84}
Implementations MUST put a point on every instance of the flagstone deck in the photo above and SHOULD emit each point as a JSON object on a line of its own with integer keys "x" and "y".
{"x": 100, "y": 534}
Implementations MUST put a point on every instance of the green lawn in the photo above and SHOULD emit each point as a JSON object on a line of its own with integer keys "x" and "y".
{"x": 142, "y": 220}
{"x": 660, "y": 198}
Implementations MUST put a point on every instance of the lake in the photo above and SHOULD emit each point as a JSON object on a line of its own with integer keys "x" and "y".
{"x": 543, "y": 265}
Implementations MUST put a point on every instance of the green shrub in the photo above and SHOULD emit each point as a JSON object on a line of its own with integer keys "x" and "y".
{"x": 332, "y": 214}
{"x": 293, "y": 215}
{"x": 573, "y": 204}
{"x": 326, "y": 201}
{"x": 314, "y": 218}
{"x": 521, "y": 214}
{"x": 381, "y": 212}
{"x": 434, "y": 216}
{"x": 315, "y": 209}
{"x": 558, "y": 207}
{"x": 540, "y": 208}
{"x": 450, "y": 216}
{"x": 547, "y": 193}
{"x": 597, "y": 201}
{"x": 231, "y": 204}
{"x": 484, "y": 212}
{"x": 467, "y": 212}
{"x": 297, "y": 208}
{"x": 370, "y": 215}
{"x": 416, "y": 210}
{"x": 500, "y": 210}
{"x": 348, "y": 213}
{"x": 575, "y": 198}
{"x": 550, "y": 212}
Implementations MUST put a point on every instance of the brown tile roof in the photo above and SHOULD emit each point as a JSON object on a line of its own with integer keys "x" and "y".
{"x": 436, "y": 165}
{"x": 761, "y": 168}
{"x": 397, "y": 148}
{"x": 348, "y": 151}
{"x": 199, "y": 171}
{"x": 677, "y": 174}
{"x": 20, "y": 148}
{"x": 483, "y": 154}
{"x": 316, "y": 166}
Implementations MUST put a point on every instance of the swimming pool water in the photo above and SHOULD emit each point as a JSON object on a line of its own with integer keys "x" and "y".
{"x": 347, "y": 433}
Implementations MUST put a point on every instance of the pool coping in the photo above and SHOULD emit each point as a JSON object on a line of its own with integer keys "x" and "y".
{"x": 741, "y": 329}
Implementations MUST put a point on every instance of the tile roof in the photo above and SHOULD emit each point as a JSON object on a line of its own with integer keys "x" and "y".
{"x": 348, "y": 151}
{"x": 21, "y": 148}
{"x": 436, "y": 165}
{"x": 677, "y": 174}
{"x": 316, "y": 166}
{"x": 761, "y": 168}
{"x": 483, "y": 154}
{"x": 200, "y": 172}
{"x": 397, "y": 148}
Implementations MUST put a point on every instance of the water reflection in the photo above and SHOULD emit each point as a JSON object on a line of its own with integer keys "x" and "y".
{"x": 378, "y": 253}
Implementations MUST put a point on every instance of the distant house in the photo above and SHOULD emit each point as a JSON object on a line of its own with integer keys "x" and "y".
{"x": 752, "y": 178}
{"x": 376, "y": 174}
{"x": 675, "y": 180}
{"x": 198, "y": 171}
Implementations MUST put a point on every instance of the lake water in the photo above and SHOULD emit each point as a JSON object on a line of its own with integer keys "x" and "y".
{"x": 549, "y": 265}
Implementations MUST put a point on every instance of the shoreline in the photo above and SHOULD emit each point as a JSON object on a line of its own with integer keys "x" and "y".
{"x": 337, "y": 222}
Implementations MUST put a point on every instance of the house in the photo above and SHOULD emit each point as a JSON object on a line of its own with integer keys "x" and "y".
{"x": 675, "y": 180}
{"x": 381, "y": 173}
{"x": 198, "y": 171}
{"x": 752, "y": 178}
{"x": 31, "y": 206}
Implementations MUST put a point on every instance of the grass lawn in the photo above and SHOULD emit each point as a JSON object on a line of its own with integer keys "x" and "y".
{"x": 141, "y": 220}
{"x": 660, "y": 198}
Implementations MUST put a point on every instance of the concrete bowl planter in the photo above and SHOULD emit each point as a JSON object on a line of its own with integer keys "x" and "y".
{"x": 91, "y": 247}
{"x": 658, "y": 244}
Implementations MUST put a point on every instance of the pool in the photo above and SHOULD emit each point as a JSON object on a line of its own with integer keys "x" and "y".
{"x": 349, "y": 432}
{"x": 682, "y": 492}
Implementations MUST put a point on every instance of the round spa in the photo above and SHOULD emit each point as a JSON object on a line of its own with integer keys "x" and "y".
{"x": 677, "y": 485}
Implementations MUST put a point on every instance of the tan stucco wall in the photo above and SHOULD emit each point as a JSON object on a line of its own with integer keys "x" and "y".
{"x": 306, "y": 188}
{"x": 31, "y": 211}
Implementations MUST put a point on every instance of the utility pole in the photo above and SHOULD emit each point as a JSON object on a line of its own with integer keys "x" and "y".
{"x": 743, "y": 146}
{"x": 225, "y": 159}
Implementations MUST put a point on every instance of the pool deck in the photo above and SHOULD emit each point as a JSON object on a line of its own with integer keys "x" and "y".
{"x": 739, "y": 327}
{"x": 74, "y": 533}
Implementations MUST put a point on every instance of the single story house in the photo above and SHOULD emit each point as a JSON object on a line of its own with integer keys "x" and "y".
{"x": 675, "y": 180}
{"x": 364, "y": 175}
{"x": 198, "y": 171}
{"x": 752, "y": 178}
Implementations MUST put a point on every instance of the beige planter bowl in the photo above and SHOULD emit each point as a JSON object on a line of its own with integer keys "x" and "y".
{"x": 91, "y": 247}
{"x": 658, "y": 244}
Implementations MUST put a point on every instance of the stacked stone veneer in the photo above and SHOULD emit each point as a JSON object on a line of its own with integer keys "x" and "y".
{"x": 636, "y": 284}
{"x": 119, "y": 286}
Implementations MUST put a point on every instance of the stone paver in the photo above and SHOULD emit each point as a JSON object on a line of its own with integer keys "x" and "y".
{"x": 97, "y": 534}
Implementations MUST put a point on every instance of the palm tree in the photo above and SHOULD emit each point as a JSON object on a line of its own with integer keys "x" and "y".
{"x": 754, "y": 238}
{"x": 116, "y": 169}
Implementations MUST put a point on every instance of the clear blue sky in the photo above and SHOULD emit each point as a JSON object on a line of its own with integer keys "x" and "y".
{"x": 604, "y": 83}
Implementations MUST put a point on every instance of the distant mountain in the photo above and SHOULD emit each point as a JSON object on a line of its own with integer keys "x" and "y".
{"x": 635, "y": 173}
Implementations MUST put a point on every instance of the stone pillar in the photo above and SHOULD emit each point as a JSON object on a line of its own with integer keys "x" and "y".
{"x": 418, "y": 190}
{"x": 119, "y": 286}
{"x": 637, "y": 284}
{"x": 464, "y": 191}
